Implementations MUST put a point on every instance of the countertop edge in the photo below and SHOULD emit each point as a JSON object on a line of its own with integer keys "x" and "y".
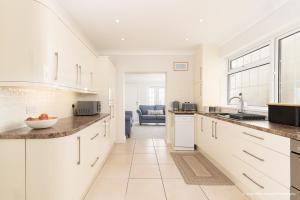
{"x": 273, "y": 131}
{"x": 51, "y": 135}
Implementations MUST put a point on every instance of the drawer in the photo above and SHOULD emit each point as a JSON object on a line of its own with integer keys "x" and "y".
{"x": 258, "y": 186}
{"x": 269, "y": 140}
{"x": 273, "y": 164}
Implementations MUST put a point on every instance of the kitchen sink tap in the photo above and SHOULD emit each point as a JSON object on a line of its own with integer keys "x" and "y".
{"x": 240, "y": 98}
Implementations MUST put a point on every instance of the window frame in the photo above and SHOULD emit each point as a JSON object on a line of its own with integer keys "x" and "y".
{"x": 277, "y": 59}
{"x": 270, "y": 60}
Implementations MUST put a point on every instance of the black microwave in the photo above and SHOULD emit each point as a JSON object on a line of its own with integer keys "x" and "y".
{"x": 88, "y": 108}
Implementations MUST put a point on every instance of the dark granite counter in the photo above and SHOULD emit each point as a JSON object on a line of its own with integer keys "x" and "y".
{"x": 64, "y": 127}
{"x": 180, "y": 112}
{"x": 262, "y": 125}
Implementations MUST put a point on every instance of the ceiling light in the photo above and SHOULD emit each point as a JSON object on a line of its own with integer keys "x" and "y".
{"x": 117, "y": 21}
{"x": 122, "y": 39}
{"x": 201, "y": 20}
{"x": 187, "y": 39}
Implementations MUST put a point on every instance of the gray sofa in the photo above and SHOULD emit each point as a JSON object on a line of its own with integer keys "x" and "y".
{"x": 145, "y": 117}
{"x": 128, "y": 123}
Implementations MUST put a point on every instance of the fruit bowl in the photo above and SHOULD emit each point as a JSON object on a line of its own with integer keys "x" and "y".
{"x": 44, "y": 121}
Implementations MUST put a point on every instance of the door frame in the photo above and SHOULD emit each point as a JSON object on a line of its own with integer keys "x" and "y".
{"x": 122, "y": 101}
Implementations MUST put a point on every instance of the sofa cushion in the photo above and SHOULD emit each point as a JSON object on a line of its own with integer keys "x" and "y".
{"x": 155, "y": 112}
{"x": 160, "y": 107}
{"x": 148, "y": 117}
{"x": 145, "y": 108}
{"x": 160, "y": 117}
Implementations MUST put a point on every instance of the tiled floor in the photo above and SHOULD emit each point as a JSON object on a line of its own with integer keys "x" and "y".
{"x": 142, "y": 169}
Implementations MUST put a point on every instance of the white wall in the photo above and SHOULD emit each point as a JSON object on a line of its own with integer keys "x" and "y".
{"x": 19, "y": 103}
{"x": 179, "y": 85}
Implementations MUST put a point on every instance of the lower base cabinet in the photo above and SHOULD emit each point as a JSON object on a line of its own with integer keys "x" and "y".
{"x": 64, "y": 168}
{"x": 12, "y": 169}
{"x": 258, "y": 162}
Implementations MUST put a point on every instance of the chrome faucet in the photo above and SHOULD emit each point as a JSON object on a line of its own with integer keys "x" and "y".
{"x": 240, "y": 97}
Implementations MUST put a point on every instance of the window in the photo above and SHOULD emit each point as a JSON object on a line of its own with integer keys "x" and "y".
{"x": 251, "y": 75}
{"x": 289, "y": 68}
{"x": 156, "y": 96}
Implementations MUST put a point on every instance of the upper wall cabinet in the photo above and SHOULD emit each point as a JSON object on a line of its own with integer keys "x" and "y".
{"x": 37, "y": 47}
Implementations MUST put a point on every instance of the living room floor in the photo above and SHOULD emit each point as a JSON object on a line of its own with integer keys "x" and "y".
{"x": 148, "y": 131}
{"x": 143, "y": 169}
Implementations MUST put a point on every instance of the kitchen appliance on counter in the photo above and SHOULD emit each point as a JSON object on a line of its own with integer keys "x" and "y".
{"x": 88, "y": 108}
{"x": 176, "y": 105}
{"x": 295, "y": 169}
{"x": 187, "y": 106}
{"x": 288, "y": 114}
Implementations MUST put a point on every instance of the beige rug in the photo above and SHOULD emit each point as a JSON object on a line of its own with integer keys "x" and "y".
{"x": 198, "y": 170}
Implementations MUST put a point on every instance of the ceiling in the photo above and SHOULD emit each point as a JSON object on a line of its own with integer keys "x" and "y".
{"x": 148, "y": 25}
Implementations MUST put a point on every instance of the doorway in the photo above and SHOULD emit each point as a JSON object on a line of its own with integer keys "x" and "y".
{"x": 145, "y": 100}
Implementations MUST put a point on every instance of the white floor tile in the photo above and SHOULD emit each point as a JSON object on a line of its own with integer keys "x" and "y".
{"x": 177, "y": 189}
{"x": 144, "y": 159}
{"x": 119, "y": 159}
{"x": 145, "y": 189}
{"x": 108, "y": 189}
{"x": 169, "y": 171}
{"x": 223, "y": 192}
{"x": 115, "y": 171}
{"x": 145, "y": 171}
{"x": 144, "y": 150}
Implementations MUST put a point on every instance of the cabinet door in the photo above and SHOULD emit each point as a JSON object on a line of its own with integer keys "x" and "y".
{"x": 16, "y": 42}
{"x": 53, "y": 169}
{"x": 12, "y": 169}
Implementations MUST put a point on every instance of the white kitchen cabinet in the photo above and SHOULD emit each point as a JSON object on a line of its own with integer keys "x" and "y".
{"x": 64, "y": 168}
{"x": 55, "y": 168}
{"x": 38, "y": 47}
{"x": 106, "y": 87}
{"x": 257, "y": 161}
{"x": 12, "y": 169}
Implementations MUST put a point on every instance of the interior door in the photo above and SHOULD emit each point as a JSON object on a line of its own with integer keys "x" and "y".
{"x": 132, "y": 100}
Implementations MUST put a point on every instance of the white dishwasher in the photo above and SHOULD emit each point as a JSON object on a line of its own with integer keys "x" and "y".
{"x": 184, "y": 132}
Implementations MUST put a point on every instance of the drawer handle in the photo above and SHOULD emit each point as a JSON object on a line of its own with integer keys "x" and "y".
{"x": 94, "y": 163}
{"x": 254, "y": 156}
{"x": 95, "y": 136}
{"x": 254, "y": 136}
{"x": 212, "y": 129}
{"x": 260, "y": 186}
{"x": 79, "y": 150}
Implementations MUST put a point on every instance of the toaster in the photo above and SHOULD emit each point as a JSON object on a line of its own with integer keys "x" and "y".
{"x": 88, "y": 108}
{"x": 187, "y": 106}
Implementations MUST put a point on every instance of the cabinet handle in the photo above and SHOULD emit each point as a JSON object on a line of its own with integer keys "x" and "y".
{"x": 254, "y": 156}
{"x": 104, "y": 128}
{"x": 216, "y": 123}
{"x": 201, "y": 124}
{"x": 92, "y": 138}
{"x": 254, "y": 136}
{"x": 92, "y": 79}
{"x": 260, "y": 186}
{"x": 77, "y": 73}
{"x": 79, "y": 150}
{"x": 56, "y": 66}
{"x": 212, "y": 129}
{"x": 94, "y": 163}
{"x": 80, "y": 74}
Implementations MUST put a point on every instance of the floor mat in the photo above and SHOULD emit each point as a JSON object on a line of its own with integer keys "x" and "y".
{"x": 198, "y": 170}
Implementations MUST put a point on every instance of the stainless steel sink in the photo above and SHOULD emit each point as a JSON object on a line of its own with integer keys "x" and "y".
{"x": 241, "y": 116}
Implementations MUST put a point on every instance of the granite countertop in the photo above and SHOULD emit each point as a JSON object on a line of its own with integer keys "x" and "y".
{"x": 64, "y": 127}
{"x": 262, "y": 125}
{"x": 181, "y": 112}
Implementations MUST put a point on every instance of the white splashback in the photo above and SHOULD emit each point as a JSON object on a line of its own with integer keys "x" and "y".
{"x": 16, "y": 104}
